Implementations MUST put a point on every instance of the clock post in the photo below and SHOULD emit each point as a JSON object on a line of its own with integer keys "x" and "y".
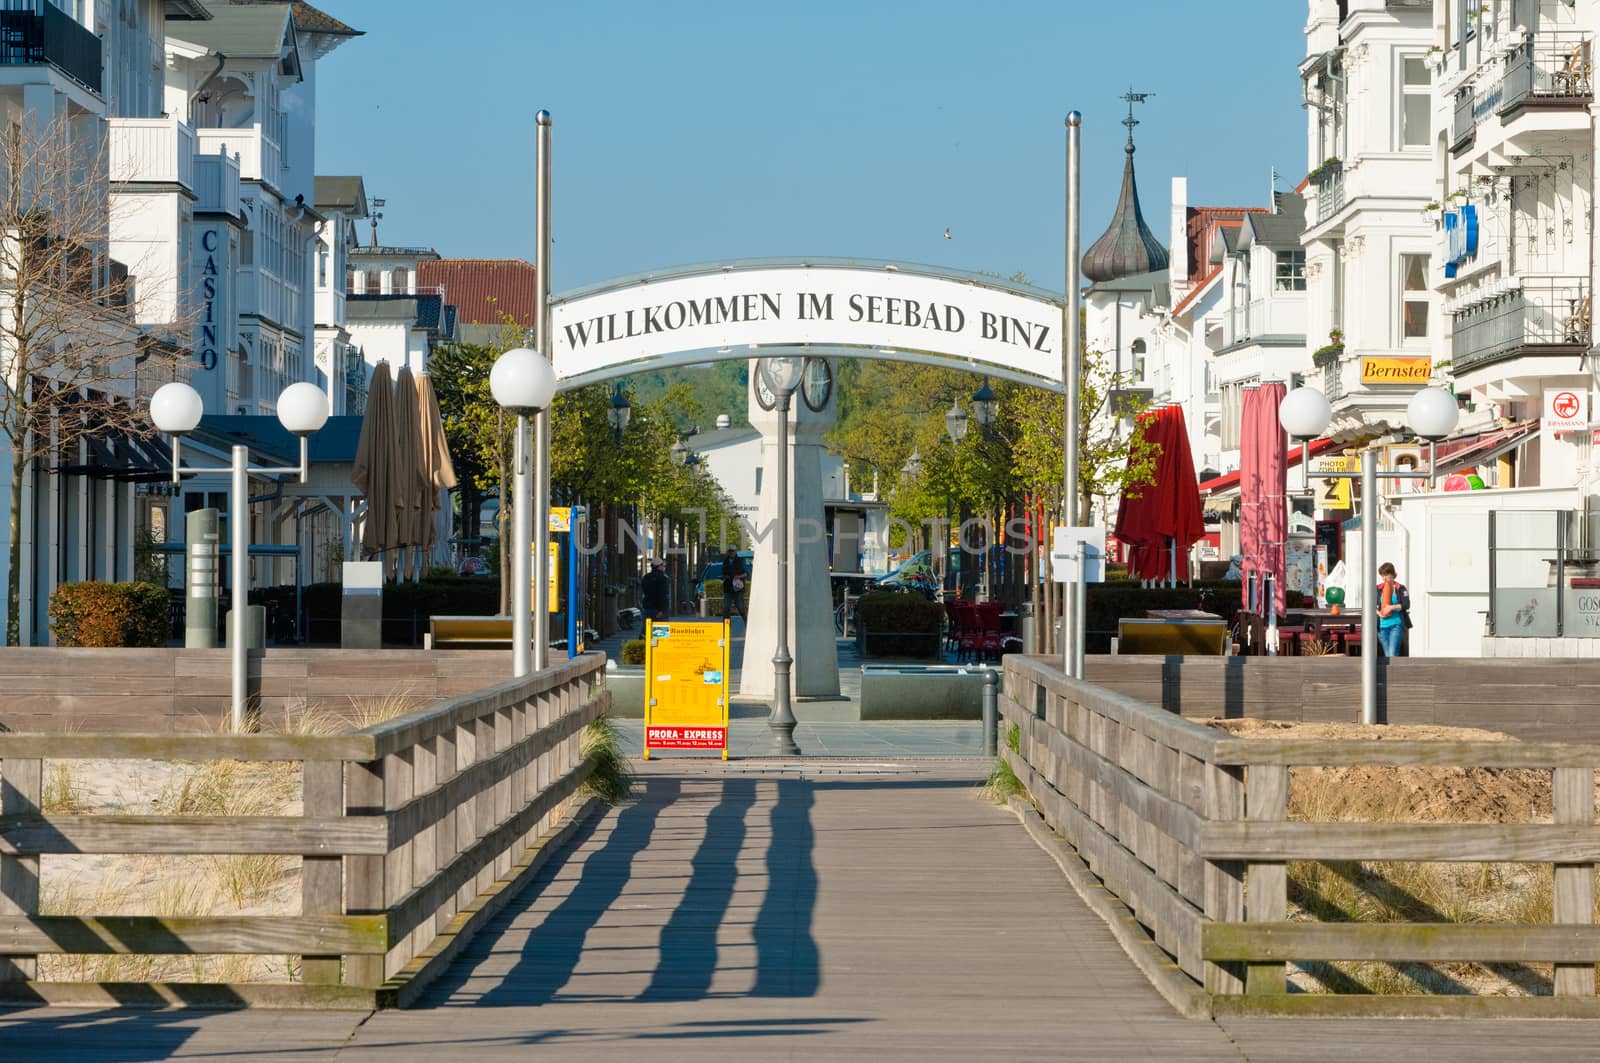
{"x": 815, "y": 671}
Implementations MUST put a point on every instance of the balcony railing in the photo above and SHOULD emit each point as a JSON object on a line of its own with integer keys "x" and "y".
{"x": 1549, "y": 67}
{"x": 1329, "y": 185}
{"x": 157, "y": 150}
{"x": 37, "y": 33}
{"x": 1543, "y": 316}
{"x": 216, "y": 183}
{"x": 1462, "y": 125}
{"x": 259, "y": 156}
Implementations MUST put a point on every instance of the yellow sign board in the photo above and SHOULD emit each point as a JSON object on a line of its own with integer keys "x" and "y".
{"x": 560, "y": 518}
{"x": 1334, "y": 494}
{"x": 1396, "y": 370}
{"x": 686, "y": 686}
{"x": 555, "y": 577}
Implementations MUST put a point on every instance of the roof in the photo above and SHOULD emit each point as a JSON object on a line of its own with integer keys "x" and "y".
{"x": 720, "y": 437}
{"x": 482, "y": 289}
{"x": 347, "y": 194}
{"x": 268, "y": 439}
{"x": 1282, "y": 229}
{"x": 240, "y": 31}
{"x": 1153, "y": 282}
{"x": 308, "y": 19}
{"x": 184, "y": 10}
{"x": 425, "y": 311}
{"x": 1127, "y": 246}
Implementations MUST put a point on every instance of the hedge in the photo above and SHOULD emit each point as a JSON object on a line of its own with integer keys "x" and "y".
{"x": 633, "y": 651}
{"x": 406, "y": 606}
{"x": 110, "y": 614}
{"x": 898, "y": 624}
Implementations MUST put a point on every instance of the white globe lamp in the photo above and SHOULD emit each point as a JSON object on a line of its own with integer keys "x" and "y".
{"x": 783, "y": 373}
{"x": 522, "y": 381}
{"x": 175, "y": 408}
{"x": 1305, "y": 413}
{"x": 1432, "y": 413}
{"x": 302, "y": 408}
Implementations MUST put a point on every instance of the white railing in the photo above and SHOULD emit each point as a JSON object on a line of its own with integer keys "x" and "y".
{"x": 152, "y": 150}
{"x": 216, "y": 183}
{"x": 1284, "y": 314}
{"x": 260, "y": 158}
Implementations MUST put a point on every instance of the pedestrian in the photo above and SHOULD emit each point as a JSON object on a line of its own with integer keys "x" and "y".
{"x": 733, "y": 578}
{"x": 655, "y": 592}
{"x": 1394, "y": 611}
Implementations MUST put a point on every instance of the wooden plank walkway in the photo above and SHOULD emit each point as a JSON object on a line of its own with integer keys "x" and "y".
{"x": 805, "y": 912}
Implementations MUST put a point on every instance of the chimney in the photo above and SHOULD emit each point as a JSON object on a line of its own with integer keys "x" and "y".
{"x": 1178, "y": 257}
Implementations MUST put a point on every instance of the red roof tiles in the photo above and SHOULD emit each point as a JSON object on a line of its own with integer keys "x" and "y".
{"x": 484, "y": 290}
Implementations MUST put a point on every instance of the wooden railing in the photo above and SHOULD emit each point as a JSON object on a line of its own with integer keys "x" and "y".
{"x": 406, "y": 828}
{"x": 1189, "y": 829}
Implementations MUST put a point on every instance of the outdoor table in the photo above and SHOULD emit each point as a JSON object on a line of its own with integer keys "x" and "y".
{"x": 1180, "y": 614}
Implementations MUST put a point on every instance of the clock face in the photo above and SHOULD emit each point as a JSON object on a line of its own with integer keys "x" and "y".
{"x": 817, "y": 383}
{"x": 764, "y": 395}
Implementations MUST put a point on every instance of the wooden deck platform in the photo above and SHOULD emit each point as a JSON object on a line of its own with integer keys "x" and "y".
{"x": 814, "y": 910}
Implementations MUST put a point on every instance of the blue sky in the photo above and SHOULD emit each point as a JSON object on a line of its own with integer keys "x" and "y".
{"x": 696, "y": 131}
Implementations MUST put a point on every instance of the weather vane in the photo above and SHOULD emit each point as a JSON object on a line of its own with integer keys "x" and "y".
{"x": 1130, "y": 121}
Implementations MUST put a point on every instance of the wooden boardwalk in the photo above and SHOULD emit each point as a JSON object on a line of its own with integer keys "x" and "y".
{"x": 804, "y": 912}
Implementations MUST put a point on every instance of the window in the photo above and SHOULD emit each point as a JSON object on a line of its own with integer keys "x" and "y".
{"x": 1289, "y": 271}
{"x": 1415, "y": 102}
{"x": 1137, "y": 349}
{"x": 322, "y": 267}
{"x": 1414, "y": 298}
{"x": 399, "y": 283}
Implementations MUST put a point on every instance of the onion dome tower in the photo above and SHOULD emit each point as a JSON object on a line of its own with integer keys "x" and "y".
{"x": 1128, "y": 247}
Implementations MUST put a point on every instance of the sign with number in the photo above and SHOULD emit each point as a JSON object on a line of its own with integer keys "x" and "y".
{"x": 686, "y": 686}
{"x": 1565, "y": 410}
{"x": 1334, "y": 494}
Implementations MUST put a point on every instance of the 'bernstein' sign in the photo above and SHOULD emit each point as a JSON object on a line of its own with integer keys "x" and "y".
{"x": 1396, "y": 370}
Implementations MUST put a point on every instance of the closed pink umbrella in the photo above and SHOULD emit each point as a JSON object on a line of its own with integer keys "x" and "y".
{"x": 1263, "y": 490}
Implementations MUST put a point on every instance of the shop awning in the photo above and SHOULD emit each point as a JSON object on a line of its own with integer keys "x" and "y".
{"x": 1468, "y": 452}
{"x": 1228, "y": 483}
{"x": 123, "y": 456}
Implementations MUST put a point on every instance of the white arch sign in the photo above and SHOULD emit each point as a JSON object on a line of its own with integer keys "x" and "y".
{"x": 741, "y": 310}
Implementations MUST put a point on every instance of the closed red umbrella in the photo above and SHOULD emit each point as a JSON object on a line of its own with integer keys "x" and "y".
{"x": 1263, "y": 490}
{"x": 1165, "y": 518}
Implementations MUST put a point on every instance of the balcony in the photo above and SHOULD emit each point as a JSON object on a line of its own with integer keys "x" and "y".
{"x": 152, "y": 150}
{"x": 1328, "y": 183}
{"x": 259, "y": 156}
{"x": 37, "y": 33}
{"x": 1549, "y": 69}
{"x": 1545, "y": 316}
{"x": 216, "y": 184}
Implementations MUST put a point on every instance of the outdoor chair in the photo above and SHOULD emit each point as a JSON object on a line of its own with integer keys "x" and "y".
{"x": 1578, "y": 323}
{"x": 1573, "y": 77}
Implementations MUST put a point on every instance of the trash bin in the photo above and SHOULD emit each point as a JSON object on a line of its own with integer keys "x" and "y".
{"x": 255, "y": 627}
{"x": 1026, "y": 628}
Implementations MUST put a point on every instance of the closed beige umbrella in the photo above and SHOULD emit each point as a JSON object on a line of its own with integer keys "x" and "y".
{"x": 374, "y": 453}
{"x": 406, "y": 473}
{"x": 438, "y": 470}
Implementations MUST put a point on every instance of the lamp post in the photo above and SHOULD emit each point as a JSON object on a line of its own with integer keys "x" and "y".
{"x": 956, "y": 424}
{"x": 620, "y": 412}
{"x": 523, "y": 383}
{"x": 782, "y": 373}
{"x": 1432, "y": 415}
{"x": 1071, "y": 372}
{"x": 176, "y": 409}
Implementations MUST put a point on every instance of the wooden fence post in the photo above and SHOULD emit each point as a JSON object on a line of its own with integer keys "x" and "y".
{"x": 21, "y": 793}
{"x": 321, "y": 877}
{"x": 1572, "y": 795}
{"x": 1224, "y": 885}
{"x": 363, "y": 875}
{"x": 399, "y": 786}
{"x": 1267, "y": 884}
